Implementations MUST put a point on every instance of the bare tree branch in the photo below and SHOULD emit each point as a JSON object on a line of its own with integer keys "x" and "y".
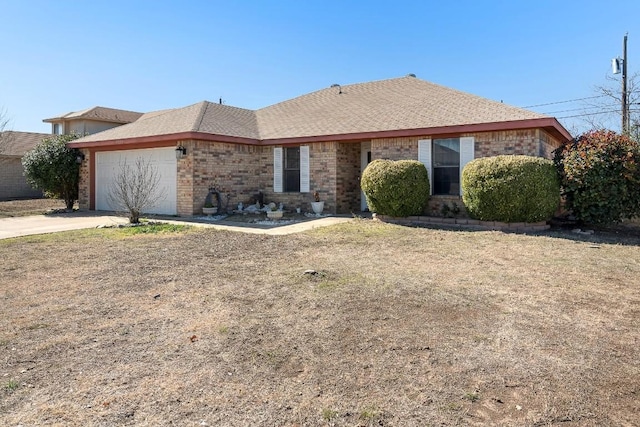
{"x": 136, "y": 188}
{"x": 605, "y": 112}
{"x": 6, "y": 137}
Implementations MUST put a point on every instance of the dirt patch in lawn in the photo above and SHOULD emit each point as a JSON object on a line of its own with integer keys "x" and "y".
{"x": 395, "y": 326}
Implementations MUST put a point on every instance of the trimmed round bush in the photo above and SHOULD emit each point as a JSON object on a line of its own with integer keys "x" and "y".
{"x": 510, "y": 189}
{"x": 396, "y": 188}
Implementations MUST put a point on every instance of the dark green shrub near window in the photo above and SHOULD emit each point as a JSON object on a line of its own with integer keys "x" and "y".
{"x": 396, "y": 188}
{"x": 510, "y": 189}
{"x": 600, "y": 176}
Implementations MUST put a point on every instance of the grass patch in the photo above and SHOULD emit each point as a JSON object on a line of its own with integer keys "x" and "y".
{"x": 329, "y": 414}
{"x": 11, "y": 385}
{"x": 152, "y": 228}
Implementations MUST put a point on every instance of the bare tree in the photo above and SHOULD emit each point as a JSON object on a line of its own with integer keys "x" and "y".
{"x": 6, "y": 137}
{"x": 603, "y": 111}
{"x": 136, "y": 188}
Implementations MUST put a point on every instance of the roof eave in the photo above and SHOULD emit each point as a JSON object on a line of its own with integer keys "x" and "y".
{"x": 550, "y": 124}
{"x": 174, "y": 137}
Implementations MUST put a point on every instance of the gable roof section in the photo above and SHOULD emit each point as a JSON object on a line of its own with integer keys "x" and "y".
{"x": 201, "y": 118}
{"x": 16, "y": 144}
{"x": 395, "y": 107}
{"x": 102, "y": 114}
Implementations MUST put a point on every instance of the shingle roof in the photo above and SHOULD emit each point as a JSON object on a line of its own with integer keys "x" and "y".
{"x": 401, "y": 103}
{"x": 204, "y": 117}
{"x": 14, "y": 143}
{"x": 388, "y": 105}
{"x": 99, "y": 113}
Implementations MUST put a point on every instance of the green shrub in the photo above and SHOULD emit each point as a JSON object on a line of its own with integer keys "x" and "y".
{"x": 397, "y": 188}
{"x": 510, "y": 189}
{"x": 51, "y": 166}
{"x": 600, "y": 176}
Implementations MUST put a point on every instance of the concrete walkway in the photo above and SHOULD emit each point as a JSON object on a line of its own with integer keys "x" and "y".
{"x": 42, "y": 224}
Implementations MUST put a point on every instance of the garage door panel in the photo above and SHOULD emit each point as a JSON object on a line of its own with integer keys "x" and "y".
{"x": 108, "y": 164}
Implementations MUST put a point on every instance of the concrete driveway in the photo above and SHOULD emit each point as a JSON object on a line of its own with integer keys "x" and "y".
{"x": 42, "y": 224}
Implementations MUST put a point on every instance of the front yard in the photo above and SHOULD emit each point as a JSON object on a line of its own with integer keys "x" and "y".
{"x": 396, "y": 327}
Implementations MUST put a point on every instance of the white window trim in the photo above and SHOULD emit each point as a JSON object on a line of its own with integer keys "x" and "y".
{"x": 467, "y": 153}
{"x": 278, "y": 169}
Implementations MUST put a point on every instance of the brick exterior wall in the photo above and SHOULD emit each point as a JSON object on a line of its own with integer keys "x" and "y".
{"x": 84, "y": 195}
{"x": 530, "y": 142}
{"x": 13, "y": 184}
{"x": 240, "y": 171}
{"x": 233, "y": 169}
{"x": 322, "y": 178}
{"x": 348, "y": 178}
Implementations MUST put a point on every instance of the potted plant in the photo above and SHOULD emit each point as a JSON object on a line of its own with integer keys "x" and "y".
{"x": 209, "y": 209}
{"x": 274, "y": 213}
{"x": 317, "y": 206}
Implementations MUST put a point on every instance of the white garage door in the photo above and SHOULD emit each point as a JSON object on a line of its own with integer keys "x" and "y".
{"x": 108, "y": 166}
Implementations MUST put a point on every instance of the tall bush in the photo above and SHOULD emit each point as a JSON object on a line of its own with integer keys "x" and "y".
{"x": 396, "y": 188}
{"x": 52, "y": 167}
{"x": 510, "y": 189}
{"x": 600, "y": 176}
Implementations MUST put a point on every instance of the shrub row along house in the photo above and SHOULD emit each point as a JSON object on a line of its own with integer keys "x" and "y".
{"x": 321, "y": 141}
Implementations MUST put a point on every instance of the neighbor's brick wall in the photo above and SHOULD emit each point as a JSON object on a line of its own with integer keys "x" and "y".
{"x": 13, "y": 184}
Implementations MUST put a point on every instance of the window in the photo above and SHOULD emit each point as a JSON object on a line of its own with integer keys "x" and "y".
{"x": 445, "y": 158}
{"x": 292, "y": 169}
{"x": 446, "y": 166}
{"x": 56, "y": 129}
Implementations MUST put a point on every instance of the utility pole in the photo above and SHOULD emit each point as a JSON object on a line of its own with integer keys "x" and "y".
{"x": 625, "y": 96}
{"x": 618, "y": 65}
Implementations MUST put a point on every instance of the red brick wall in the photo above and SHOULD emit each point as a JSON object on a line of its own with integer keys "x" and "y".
{"x": 84, "y": 191}
{"x": 233, "y": 169}
{"x": 348, "y": 178}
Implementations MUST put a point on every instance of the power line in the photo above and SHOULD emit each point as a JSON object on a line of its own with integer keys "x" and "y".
{"x": 596, "y": 113}
{"x": 580, "y": 109}
{"x": 564, "y": 102}
{"x": 589, "y": 114}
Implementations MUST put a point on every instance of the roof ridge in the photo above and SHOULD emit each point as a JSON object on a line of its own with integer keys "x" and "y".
{"x": 201, "y": 114}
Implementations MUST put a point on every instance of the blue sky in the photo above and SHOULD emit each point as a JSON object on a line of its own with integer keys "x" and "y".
{"x": 61, "y": 56}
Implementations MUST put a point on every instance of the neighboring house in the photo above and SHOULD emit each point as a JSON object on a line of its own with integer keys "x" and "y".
{"x": 320, "y": 141}
{"x": 13, "y": 145}
{"x": 90, "y": 121}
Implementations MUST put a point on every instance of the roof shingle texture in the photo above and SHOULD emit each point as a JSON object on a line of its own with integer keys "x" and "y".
{"x": 100, "y": 113}
{"x": 386, "y": 105}
{"x": 14, "y": 143}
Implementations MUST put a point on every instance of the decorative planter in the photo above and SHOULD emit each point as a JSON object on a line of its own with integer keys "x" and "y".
{"x": 274, "y": 214}
{"x": 209, "y": 211}
{"x": 317, "y": 207}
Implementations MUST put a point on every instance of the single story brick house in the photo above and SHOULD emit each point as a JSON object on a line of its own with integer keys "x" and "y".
{"x": 320, "y": 141}
{"x": 13, "y": 146}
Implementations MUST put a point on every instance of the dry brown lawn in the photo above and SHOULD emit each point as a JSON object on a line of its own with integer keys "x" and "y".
{"x": 399, "y": 327}
{"x": 25, "y": 207}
